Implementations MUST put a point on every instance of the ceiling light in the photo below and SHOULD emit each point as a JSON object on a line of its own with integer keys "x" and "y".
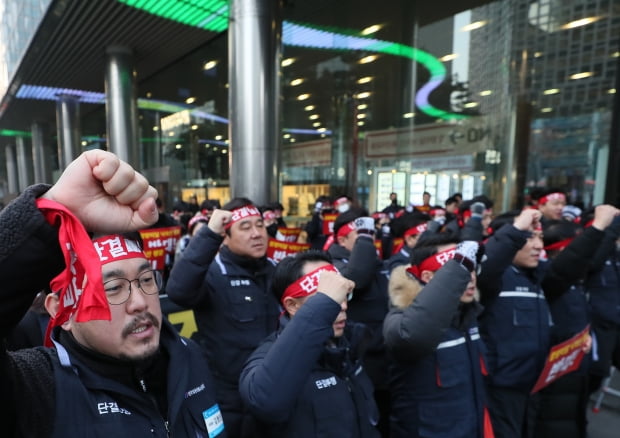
{"x": 364, "y": 80}
{"x": 486, "y": 92}
{"x": 582, "y": 75}
{"x": 296, "y": 82}
{"x": 546, "y": 110}
{"x": 155, "y": 128}
{"x": 194, "y": 127}
{"x": 178, "y": 146}
{"x": 368, "y": 59}
{"x": 363, "y": 95}
{"x": 611, "y": 91}
{"x": 84, "y": 143}
{"x": 321, "y": 130}
{"x": 309, "y": 107}
{"x": 314, "y": 117}
{"x": 303, "y": 96}
{"x": 580, "y": 22}
{"x": 361, "y": 116}
{"x": 615, "y": 55}
{"x": 224, "y": 151}
{"x": 371, "y": 29}
{"x": 209, "y": 65}
{"x": 316, "y": 124}
{"x": 288, "y": 61}
{"x": 190, "y": 100}
{"x": 473, "y": 26}
{"x": 361, "y": 123}
{"x": 448, "y": 57}
{"x": 362, "y": 106}
{"x": 286, "y": 136}
{"x": 408, "y": 115}
{"x": 149, "y": 94}
{"x": 551, "y": 91}
{"x": 292, "y": 140}
{"x": 471, "y": 105}
{"x": 218, "y": 137}
{"x": 171, "y": 134}
{"x": 538, "y": 54}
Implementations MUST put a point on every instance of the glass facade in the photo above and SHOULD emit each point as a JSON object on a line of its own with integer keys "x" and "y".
{"x": 498, "y": 100}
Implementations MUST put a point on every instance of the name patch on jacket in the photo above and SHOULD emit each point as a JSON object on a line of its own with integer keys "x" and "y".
{"x": 213, "y": 421}
{"x": 326, "y": 383}
{"x": 111, "y": 408}
{"x": 237, "y": 283}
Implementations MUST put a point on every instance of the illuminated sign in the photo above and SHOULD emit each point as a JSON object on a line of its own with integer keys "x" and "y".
{"x": 175, "y": 120}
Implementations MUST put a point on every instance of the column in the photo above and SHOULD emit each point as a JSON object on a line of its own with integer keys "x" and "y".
{"x": 11, "y": 170}
{"x": 68, "y": 129}
{"x": 255, "y": 33}
{"x": 121, "y": 105}
{"x": 23, "y": 161}
{"x": 41, "y": 157}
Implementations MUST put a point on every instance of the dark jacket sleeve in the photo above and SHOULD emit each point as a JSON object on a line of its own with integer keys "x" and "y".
{"x": 472, "y": 230}
{"x": 415, "y": 331}
{"x": 185, "y": 284}
{"x": 571, "y": 264}
{"x": 274, "y": 375}
{"x": 362, "y": 265}
{"x": 607, "y": 246}
{"x": 500, "y": 250}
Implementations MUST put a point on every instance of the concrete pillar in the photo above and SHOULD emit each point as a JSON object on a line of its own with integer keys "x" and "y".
{"x": 11, "y": 170}
{"x": 121, "y": 105}
{"x": 68, "y": 129}
{"x": 41, "y": 157}
{"x": 23, "y": 164}
{"x": 255, "y": 36}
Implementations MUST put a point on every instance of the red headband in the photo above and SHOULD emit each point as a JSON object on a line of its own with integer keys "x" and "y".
{"x": 345, "y": 229}
{"x": 115, "y": 247}
{"x": 433, "y": 263}
{"x": 269, "y": 215}
{"x": 341, "y": 200}
{"x": 307, "y": 284}
{"x": 552, "y": 197}
{"x": 242, "y": 213}
{"x": 414, "y": 231}
{"x": 559, "y": 245}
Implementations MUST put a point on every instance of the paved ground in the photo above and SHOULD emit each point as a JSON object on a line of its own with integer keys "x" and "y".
{"x": 606, "y": 422}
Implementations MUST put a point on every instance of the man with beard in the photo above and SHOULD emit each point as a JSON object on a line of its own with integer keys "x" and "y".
{"x": 117, "y": 369}
{"x": 225, "y": 277}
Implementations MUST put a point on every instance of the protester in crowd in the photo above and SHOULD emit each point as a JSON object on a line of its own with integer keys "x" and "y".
{"x": 603, "y": 290}
{"x": 355, "y": 256}
{"x": 193, "y": 204}
{"x": 118, "y": 368}
{"x": 270, "y": 220}
{"x": 409, "y": 227}
{"x": 164, "y": 219}
{"x": 342, "y": 204}
{"x": 563, "y": 403}
{"x": 425, "y": 207}
{"x": 436, "y": 356}
{"x": 313, "y": 232}
{"x": 307, "y": 379}
{"x": 208, "y": 205}
{"x": 515, "y": 325}
{"x": 393, "y": 206}
{"x": 193, "y": 226}
{"x": 225, "y": 277}
{"x": 278, "y": 210}
{"x": 452, "y": 206}
{"x": 550, "y": 202}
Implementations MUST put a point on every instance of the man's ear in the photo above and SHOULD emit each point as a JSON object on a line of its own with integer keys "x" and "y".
{"x": 290, "y": 305}
{"x": 426, "y": 276}
{"x": 52, "y": 301}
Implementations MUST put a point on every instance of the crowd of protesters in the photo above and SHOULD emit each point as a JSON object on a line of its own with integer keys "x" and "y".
{"x": 414, "y": 321}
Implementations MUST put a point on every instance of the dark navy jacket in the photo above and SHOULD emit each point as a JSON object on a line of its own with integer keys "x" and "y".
{"x": 233, "y": 306}
{"x": 516, "y": 322}
{"x": 301, "y": 384}
{"x": 603, "y": 287}
{"x": 436, "y": 359}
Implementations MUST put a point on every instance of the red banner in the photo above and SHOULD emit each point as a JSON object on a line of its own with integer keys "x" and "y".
{"x": 328, "y": 223}
{"x": 277, "y": 250}
{"x": 288, "y": 234}
{"x": 563, "y": 359}
{"x": 158, "y": 243}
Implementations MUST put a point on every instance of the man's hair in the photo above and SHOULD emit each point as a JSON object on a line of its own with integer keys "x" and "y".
{"x": 428, "y": 244}
{"x": 503, "y": 219}
{"x": 348, "y": 216}
{"x": 536, "y": 195}
{"x": 558, "y": 230}
{"x": 451, "y": 200}
{"x": 234, "y": 204}
{"x": 408, "y": 220}
{"x": 290, "y": 269}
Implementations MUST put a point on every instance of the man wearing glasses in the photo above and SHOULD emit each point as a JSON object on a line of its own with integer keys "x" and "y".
{"x": 117, "y": 367}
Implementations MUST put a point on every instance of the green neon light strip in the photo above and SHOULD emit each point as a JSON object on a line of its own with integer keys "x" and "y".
{"x": 213, "y": 15}
{"x": 13, "y": 133}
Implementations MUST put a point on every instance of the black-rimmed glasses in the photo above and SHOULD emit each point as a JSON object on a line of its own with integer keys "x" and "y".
{"x": 118, "y": 290}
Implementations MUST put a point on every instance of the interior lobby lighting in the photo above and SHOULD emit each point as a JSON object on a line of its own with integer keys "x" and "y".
{"x": 288, "y": 61}
{"x": 408, "y": 115}
{"x": 218, "y": 137}
{"x": 209, "y": 65}
{"x": 207, "y": 14}
{"x": 296, "y": 82}
{"x": 615, "y": 55}
{"x": 361, "y": 123}
{"x": 178, "y": 146}
{"x": 473, "y": 26}
{"x": 363, "y": 95}
{"x": 309, "y": 107}
{"x": 224, "y": 151}
{"x": 362, "y": 106}
{"x": 611, "y": 91}
{"x": 551, "y": 91}
{"x": 316, "y": 124}
{"x": 286, "y": 136}
{"x": 582, "y": 75}
{"x": 171, "y": 134}
{"x": 371, "y": 29}
{"x": 486, "y": 92}
{"x": 580, "y": 22}
{"x": 361, "y": 116}
{"x": 155, "y": 128}
{"x": 448, "y": 57}
{"x": 194, "y": 127}
{"x": 538, "y": 54}
{"x": 368, "y": 59}
{"x": 322, "y": 129}
{"x": 190, "y": 100}
{"x": 313, "y": 117}
{"x": 303, "y": 96}
{"x": 364, "y": 80}
{"x": 546, "y": 110}
{"x": 471, "y": 105}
